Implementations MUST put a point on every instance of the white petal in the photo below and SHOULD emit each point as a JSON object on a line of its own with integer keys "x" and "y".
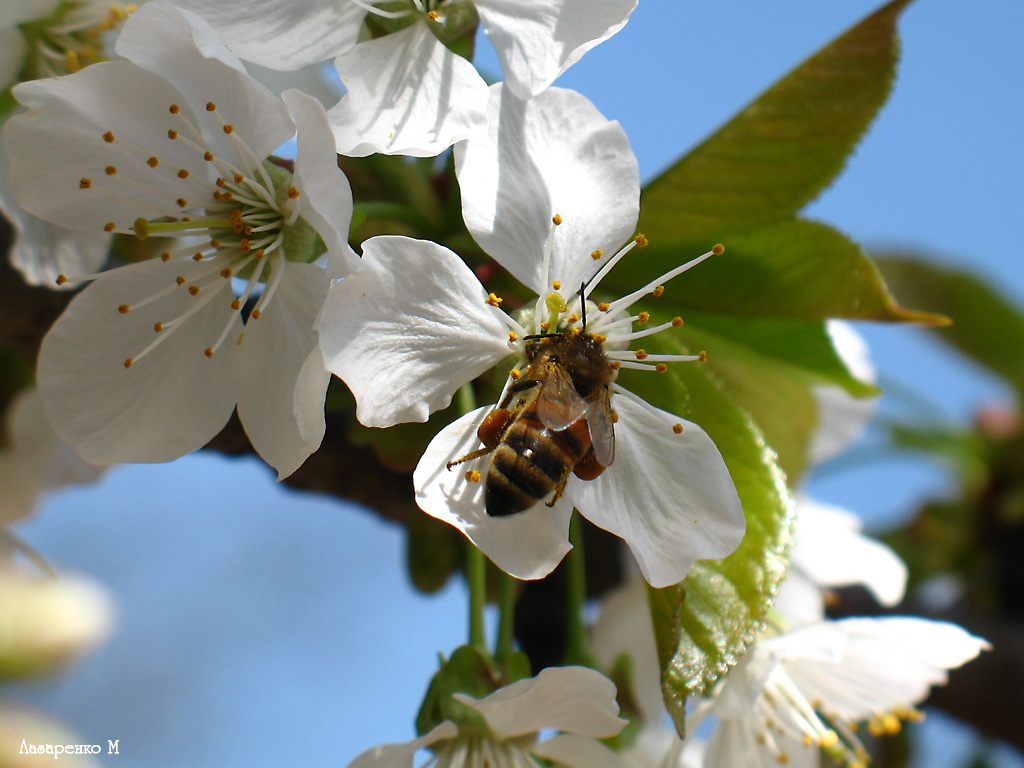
{"x": 843, "y": 418}
{"x": 19, "y": 11}
{"x": 408, "y": 329}
{"x": 407, "y": 95}
{"x": 668, "y": 495}
{"x": 939, "y": 643}
{"x": 831, "y": 550}
{"x": 625, "y": 627}
{"x": 59, "y": 141}
{"x": 168, "y": 403}
{"x": 576, "y": 700}
{"x": 577, "y": 752}
{"x": 528, "y": 545}
{"x": 42, "y": 251}
{"x": 279, "y": 378}
{"x": 326, "y": 197}
{"x": 13, "y": 49}
{"x": 799, "y": 600}
{"x": 52, "y": 462}
{"x": 735, "y": 743}
{"x": 284, "y": 36}
{"x": 400, "y": 755}
{"x": 537, "y": 40}
{"x": 555, "y": 154}
{"x": 183, "y": 49}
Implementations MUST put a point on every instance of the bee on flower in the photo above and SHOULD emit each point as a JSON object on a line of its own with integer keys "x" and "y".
{"x": 550, "y": 191}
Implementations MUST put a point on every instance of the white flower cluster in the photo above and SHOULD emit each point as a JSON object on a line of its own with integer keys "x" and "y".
{"x": 250, "y": 297}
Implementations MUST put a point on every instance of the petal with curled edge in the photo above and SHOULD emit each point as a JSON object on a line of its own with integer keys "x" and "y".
{"x": 407, "y": 95}
{"x": 408, "y": 328}
{"x": 527, "y": 545}
{"x": 401, "y": 754}
{"x": 669, "y": 495}
{"x": 571, "y": 699}
{"x": 554, "y": 154}
{"x": 283, "y": 36}
{"x": 537, "y": 40}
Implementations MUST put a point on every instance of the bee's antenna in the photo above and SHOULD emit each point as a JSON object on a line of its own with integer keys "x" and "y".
{"x": 583, "y": 305}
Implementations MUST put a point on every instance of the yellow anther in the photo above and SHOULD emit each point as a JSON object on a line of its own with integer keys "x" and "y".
{"x": 175, "y": 109}
{"x": 556, "y": 219}
{"x": 615, "y": 365}
{"x": 171, "y": 133}
{"x": 641, "y": 241}
{"x": 210, "y": 106}
{"x": 892, "y": 724}
{"x": 208, "y": 156}
{"x": 182, "y": 174}
{"x": 225, "y": 273}
{"x": 600, "y": 338}
{"x": 575, "y": 331}
{"x": 514, "y": 374}
{"x": 641, "y": 354}
{"x": 61, "y": 279}
{"x": 123, "y": 309}
{"x": 604, "y": 306}
{"x": 512, "y": 336}
{"x": 875, "y": 727}
{"x": 240, "y": 337}
{"x": 545, "y": 326}
{"x": 643, "y": 317}
{"x": 718, "y": 249}
{"x": 197, "y": 256}
{"x": 182, "y": 202}
{"x": 239, "y": 178}
{"x": 215, "y": 243}
{"x": 236, "y": 304}
{"x": 556, "y": 284}
{"x": 256, "y": 314}
{"x": 572, "y": 319}
{"x": 292, "y": 193}
{"x": 128, "y": 363}
{"x": 828, "y": 739}
{"x": 108, "y": 137}
{"x": 473, "y": 476}
{"x": 158, "y": 327}
{"x": 434, "y": 15}
{"x": 110, "y": 170}
{"x": 677, "y": 322}
{"x": 165, "y": 256}
{"x": 110, "y": 226}
{"x": 194, "y": 290}
{"x": 658, "y": 291}
{"x": 84, "y": 183}
{"x": 661, "y": 368}
{"x": 493, "y": 300}
{"x": 703, "y": 356}
{"x": 229, "y": 128}
{"x": 596, "y": 255}
{"x": 208, "y": 351}
{"x": 783, "y": 758}
{"x": 153, "y": 162}
{"x": 179, "y": 280}
{"x": 71, "y": 61}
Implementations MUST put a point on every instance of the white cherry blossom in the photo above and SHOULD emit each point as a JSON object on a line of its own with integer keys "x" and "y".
{"x": 805, "y": 690}
{"x": 577, "y": 703}
{"x": 413, "y": 324}
{"x": 148, "y": 362}
{"x": 407, "y": 92}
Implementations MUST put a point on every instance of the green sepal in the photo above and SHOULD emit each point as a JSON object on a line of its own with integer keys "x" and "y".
{"x": 469, "y": 670}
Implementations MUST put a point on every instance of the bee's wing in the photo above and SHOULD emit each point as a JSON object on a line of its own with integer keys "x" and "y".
{"x": 558, "y": 403}
{"x": 602, "y": 431}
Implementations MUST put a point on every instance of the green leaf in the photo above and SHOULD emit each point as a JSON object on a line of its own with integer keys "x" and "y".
{"x": 987, "y": 326}
{"x": 778, "y": 153}
{"x": 703, "y": 625}
{"x": 796, "y": 269}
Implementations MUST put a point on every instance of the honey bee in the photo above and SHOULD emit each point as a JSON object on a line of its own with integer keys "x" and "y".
{"x": 555, "y": 420}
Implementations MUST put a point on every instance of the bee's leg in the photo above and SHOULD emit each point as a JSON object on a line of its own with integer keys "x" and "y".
{"x": 490, "y": 431}
{"x": 559, "y": 489}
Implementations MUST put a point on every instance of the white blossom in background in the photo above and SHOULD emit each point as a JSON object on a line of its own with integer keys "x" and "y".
{"x": 407, "y": 92}
{"x": 413, "y": 324}
{"x": 148, "y": 362}
{"x": 33, "y": 459}
{"x": 807, "y": 689}
{"x": 578, "y": 703}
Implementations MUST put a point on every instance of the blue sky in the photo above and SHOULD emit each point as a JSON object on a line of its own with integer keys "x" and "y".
{"x": 264, "y": 627}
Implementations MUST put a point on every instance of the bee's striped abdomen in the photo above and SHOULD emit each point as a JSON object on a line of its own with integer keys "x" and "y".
{"x": 530, "y": 462}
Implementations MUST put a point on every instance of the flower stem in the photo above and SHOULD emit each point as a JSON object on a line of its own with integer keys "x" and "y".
{"x": 577, "y": 650}
{"x": 476, "y": 577}
{"x": 506, "y": 620}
